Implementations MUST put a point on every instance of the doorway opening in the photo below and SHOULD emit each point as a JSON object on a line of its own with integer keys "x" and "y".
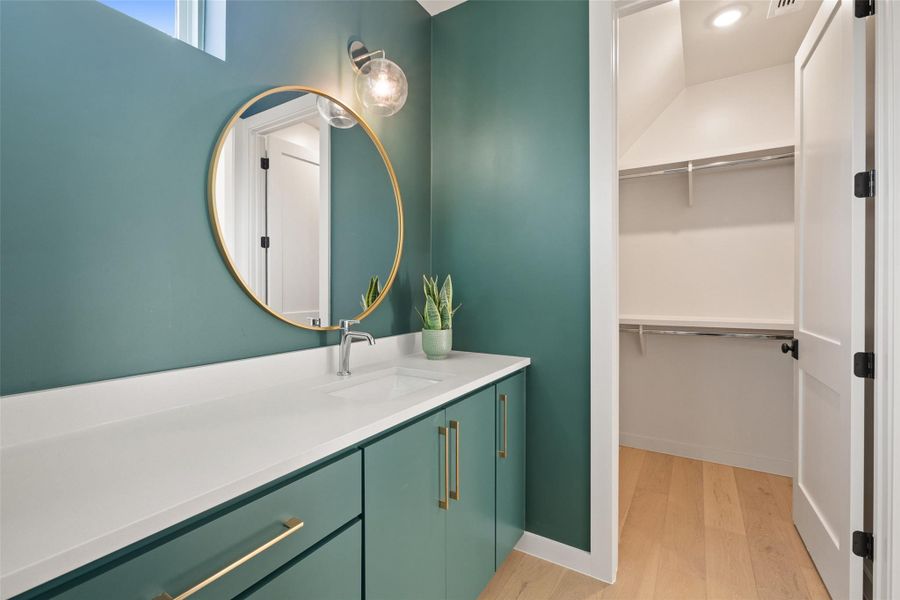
{"x": 743, "y": 279}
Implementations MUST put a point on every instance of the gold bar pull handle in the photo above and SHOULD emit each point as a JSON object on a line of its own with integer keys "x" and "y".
{"x": 454, "y": 494}
{"x": 504, "y": 399}
{"x": 293, "y": 526}
{"x": 443, "y": 501}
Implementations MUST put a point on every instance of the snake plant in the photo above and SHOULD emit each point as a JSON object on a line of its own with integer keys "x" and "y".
{"x": 438, "y": 312}
{"x": 372, "y": 293}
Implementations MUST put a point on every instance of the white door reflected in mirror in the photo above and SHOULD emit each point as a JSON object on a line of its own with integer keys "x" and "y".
{"x": 307, "y": 214}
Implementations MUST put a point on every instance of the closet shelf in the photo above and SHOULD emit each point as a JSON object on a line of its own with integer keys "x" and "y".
{"x": 712, "y": 162}
{"x": 709, "y": 322}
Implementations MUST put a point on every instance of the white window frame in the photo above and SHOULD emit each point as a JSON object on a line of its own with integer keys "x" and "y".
{"x": 189, "y": 21}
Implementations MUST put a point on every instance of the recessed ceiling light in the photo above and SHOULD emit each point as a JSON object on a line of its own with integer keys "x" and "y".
{"x": 728, "y": 17}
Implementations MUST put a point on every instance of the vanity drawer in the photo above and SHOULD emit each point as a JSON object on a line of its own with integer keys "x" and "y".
{"x": 331, "y": 572}
{"x": 323, "y": 500}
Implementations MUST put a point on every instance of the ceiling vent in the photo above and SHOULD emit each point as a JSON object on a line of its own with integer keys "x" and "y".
{"x": 778, "y": 8}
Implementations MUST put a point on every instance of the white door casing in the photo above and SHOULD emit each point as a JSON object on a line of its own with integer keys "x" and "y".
{"x": 830, "y": 292}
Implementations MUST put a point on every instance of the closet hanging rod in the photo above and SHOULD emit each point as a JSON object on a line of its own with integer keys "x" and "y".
{"x": 713, "y": 165}
{"x": 726, "y": 334}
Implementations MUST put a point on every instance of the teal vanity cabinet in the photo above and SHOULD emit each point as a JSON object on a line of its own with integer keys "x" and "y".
{"x": 331, "y": 572}
{"x": 429, "y": 505}
{"x": 470, "y": 515}
{"x": 405, "y": 528}
{"x": 245, "y": 543}
{"x": 424, "y": 512}
{"x": 510, "y": 463}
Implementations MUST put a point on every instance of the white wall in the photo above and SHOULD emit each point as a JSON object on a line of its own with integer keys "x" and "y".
{"x": 728, "y": 256}
{"x": 738, "y": 114}
{"x": 304, "y": 134}
{"x": 724, "y": 400}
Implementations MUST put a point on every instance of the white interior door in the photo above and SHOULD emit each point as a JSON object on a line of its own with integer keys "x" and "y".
{"x": 830, "y": 293}
{"x": 293, "y": 204}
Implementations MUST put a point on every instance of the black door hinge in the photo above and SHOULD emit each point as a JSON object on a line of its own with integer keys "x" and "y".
{"x": 863, "y": 544}
{"x": 864, "y": 365}
{"x": 864, "y": 8}
{"x": 793, "y": 348}
{"x": 264, "y": 163}
{"x": 864, "y": 184}
{"x": 264, "y": 241}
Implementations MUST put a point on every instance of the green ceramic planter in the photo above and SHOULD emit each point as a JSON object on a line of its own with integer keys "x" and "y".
{"x": 437, "y": 343}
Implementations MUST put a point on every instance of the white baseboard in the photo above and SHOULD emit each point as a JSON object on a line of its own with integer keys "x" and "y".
{"x": 766, "y": 464}
{"x": 556, "y": 552}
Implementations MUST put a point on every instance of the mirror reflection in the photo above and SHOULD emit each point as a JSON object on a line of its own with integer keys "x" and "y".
{"x": 304, "y": 209}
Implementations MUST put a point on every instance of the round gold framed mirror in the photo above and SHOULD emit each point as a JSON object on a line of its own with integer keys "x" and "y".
{"x": 305, "y": 207}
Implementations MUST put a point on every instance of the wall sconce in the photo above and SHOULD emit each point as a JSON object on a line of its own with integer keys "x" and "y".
{"x": 333, "y": 114}
{"x": 380, "y": 84}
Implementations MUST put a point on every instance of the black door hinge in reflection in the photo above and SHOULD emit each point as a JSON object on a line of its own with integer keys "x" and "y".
{"x": 264, "y": 241}
{"x": 793, "y": 348}
{"x": 864, "y": 184}
{"x": 864, "y": 365}
{"x": 264, "y": 163}
{"x": 863, "y": 544}
{"x": 864, "y": 8}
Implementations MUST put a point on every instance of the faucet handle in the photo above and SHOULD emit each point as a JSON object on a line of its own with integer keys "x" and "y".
{"x": 346, "y": 323}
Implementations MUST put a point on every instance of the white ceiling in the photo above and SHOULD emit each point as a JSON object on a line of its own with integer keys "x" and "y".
{"x": 752, "y": 43}
{"x": 671, "y": 46}
{"x": 438, "y": 6}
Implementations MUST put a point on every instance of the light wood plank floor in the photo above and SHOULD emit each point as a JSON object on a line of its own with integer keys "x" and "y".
{"x": 688, "y": 529}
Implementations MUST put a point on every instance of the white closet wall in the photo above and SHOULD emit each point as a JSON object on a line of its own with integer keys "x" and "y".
{"x": 723, "y": 400}
{"x": 714, "y": 255}
{"x": 727, "y": 258}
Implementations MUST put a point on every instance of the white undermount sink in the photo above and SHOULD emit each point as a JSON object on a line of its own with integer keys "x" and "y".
{"x": 389, "y": 383}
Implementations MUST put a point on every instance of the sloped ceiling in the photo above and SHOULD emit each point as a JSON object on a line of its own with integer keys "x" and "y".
{"x": 651, "y": 68}
{"x": 744, "y": 113}
{"x": 667, "y": 48}
{"x": 755, "y": 42}
{"x": 438, "y": 6}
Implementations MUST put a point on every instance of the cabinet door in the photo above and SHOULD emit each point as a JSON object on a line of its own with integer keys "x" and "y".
{"x": 470, "y": 518}
{"x": 405, "y": 528}
{"x": 331, "y": 572}
{"x": 510, "y": 457}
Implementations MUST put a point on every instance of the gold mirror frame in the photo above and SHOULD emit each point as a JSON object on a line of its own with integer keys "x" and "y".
{"x": 214, "y": 216}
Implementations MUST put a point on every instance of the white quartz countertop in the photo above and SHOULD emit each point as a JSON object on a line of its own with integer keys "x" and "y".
{"x": 70, "y": 499}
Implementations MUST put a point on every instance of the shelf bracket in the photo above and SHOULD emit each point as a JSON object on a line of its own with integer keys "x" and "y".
{"x": 643, "y": 341}
{"x": 690, "y": 174}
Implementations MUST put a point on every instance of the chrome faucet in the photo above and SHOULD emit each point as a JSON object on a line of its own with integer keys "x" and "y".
{"x": 347, "y": 338}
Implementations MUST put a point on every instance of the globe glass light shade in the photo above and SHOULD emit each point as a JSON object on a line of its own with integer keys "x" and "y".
{"x": 335, "y": 115}
{"x": 381, "y": 87}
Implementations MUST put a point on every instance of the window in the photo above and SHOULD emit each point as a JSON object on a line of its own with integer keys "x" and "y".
{"x": 200, "y": 23}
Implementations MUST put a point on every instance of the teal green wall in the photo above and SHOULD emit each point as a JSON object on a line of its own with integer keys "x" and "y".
{"x": 108, "y": 264}
{"x": 363, "y": 220}
{"x": 510, "y": 222}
